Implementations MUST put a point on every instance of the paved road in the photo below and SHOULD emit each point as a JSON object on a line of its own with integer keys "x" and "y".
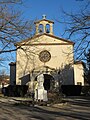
{"x": 75, "y": 109}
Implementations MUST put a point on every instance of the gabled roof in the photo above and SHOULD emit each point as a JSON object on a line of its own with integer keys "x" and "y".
{"x": 23, "y": 42}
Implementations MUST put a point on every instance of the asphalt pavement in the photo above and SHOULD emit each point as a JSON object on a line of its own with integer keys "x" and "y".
{"x": 74, "y": 108}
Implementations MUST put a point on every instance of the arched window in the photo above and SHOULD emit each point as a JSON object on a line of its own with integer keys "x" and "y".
{"x": 40, "y": 28}
{"x": 47, "y": 28}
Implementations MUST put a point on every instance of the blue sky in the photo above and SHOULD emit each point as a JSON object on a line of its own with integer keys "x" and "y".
{"x": 52, "y": 9}
{"x": 34, "y": 9}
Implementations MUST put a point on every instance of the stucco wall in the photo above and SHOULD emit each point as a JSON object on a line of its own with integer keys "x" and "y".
{"x": 61, "y": 55}
{"x": 78, "y": 74}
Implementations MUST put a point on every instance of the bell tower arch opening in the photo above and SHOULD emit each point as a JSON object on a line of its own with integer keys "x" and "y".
{"x": 40, "y": 28}
{"x": 44, "y": 26}
{"x": 47, "y": 28}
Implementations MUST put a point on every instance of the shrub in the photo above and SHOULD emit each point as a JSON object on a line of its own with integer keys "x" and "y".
{"x": 71, "y": 90}
{"x": 15, "y": 90}
{"x": 85, "y": 90}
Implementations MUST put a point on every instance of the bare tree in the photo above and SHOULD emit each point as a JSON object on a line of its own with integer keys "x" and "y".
{"x": 77, "y": 28}
{"x": 10, "y": 1}
{"x": 3, "y": 77}
{"x": 13, "y": 28}
{"x": 87, "y": 67}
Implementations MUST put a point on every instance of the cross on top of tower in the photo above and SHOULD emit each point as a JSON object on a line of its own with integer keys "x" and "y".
{"x": 44, "y": 16}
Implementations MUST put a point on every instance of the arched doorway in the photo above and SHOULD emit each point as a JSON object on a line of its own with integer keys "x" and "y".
{"x": 48, "y": 82}
{"x": 44, "y": 86}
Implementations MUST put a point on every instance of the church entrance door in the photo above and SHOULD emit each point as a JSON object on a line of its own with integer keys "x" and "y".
{"x": 48, "y": 82}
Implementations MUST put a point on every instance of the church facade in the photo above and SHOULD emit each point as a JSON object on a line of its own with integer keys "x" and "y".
{"x": 46, "y": 61}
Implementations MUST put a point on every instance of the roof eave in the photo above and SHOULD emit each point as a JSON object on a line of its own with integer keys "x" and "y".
{"x": 35, "y": 36}
{"x": 44, "y": 20}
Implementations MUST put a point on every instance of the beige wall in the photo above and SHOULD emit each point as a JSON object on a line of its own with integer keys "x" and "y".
{"x": 78, "y": 74}
{"x": 61, "y": 55}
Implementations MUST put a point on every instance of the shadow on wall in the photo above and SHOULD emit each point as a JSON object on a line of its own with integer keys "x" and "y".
{"x": 66, "y": 75}
{"x": 25, "y": 79}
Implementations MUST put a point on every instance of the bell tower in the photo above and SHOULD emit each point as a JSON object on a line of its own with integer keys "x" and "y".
{"x": 44, "y": 26}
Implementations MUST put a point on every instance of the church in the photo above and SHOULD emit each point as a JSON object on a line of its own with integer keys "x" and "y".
{"x": 45, "y": 61}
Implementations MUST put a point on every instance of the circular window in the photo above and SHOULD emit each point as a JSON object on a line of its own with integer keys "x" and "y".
{"x": 44, "y": 56}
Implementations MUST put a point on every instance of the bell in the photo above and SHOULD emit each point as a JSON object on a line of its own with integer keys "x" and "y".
{"x": 40, "y": 30}
{"x": 47, "y": 31}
